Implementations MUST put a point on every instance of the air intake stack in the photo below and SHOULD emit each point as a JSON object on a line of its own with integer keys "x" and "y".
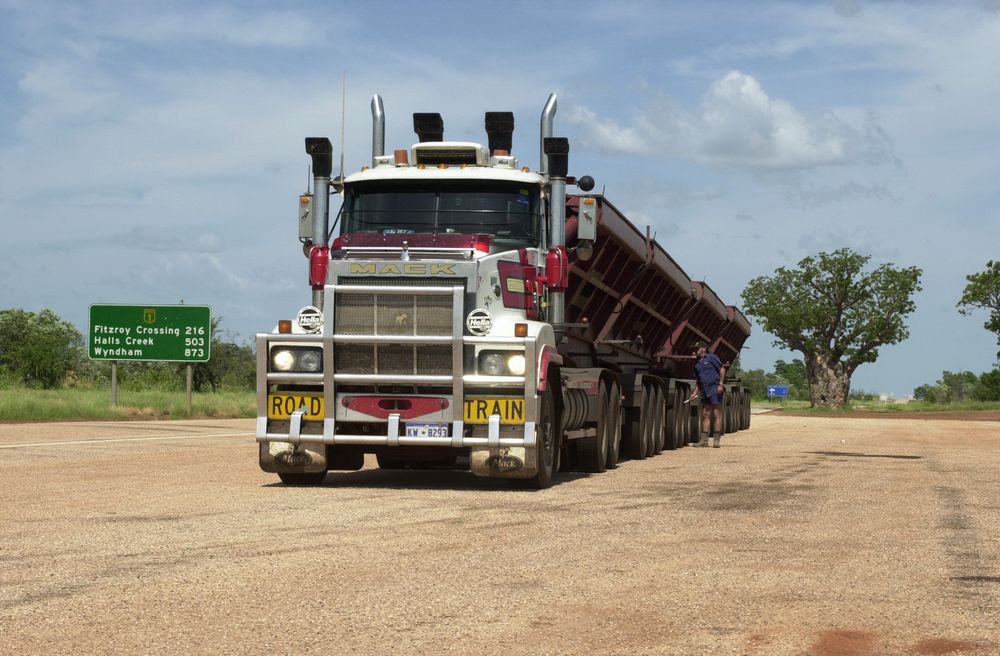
{"x": 321, "y": 151}
{"x": 428, "y": 126}
{"x": 500, "y": 131}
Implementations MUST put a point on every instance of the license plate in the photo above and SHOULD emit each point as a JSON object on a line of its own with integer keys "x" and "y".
{"x": 427, "y": 430}
{"x": 479, "y": 409}
{"x": 281, "y": 406}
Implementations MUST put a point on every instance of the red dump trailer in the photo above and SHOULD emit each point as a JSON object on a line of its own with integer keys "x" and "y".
{"x": 471, "y": 311}
{"x": 632, "y": 310}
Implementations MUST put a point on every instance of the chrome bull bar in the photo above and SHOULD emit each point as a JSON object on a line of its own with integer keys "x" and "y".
{"x": 457, "y": 380}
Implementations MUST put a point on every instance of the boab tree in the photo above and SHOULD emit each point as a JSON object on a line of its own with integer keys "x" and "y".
{"x": 835, "y": 313}
{"x": 982, "y": 292}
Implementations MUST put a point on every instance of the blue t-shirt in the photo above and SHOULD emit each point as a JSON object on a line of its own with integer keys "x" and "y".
{"x": 708, "y": 370}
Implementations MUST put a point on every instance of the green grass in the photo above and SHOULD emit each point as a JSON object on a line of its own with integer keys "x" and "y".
{"x": 877, "y": 406}
{"x": 20, "y": 404}
{"x": 924, "y": 406}
{"x": 787, "y": 405}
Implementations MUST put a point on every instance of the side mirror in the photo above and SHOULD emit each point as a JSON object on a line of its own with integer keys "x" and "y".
{"x": 585, "y": 183}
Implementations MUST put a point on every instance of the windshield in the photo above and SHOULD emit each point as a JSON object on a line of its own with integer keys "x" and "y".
{"x": 508, "y": 211}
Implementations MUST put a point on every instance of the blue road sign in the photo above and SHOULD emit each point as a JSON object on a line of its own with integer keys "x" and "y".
{"x": 777, "y": 390}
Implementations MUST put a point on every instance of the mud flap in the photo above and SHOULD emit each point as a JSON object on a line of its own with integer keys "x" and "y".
{"x": 283, "y": 457}
{"x": 504, "y": 462}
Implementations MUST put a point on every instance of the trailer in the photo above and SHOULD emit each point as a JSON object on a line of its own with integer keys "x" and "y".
{"x": 472, "y": 313}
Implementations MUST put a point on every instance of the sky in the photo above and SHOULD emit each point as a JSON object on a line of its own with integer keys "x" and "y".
{"x": 152, "y": 152}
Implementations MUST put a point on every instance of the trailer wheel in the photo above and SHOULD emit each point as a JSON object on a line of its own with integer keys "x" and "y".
{"x": 614, "y": 425}
{"x": 673, "y": 437}
{"x": 547, "y": 441}
{"x": 694, "y": 422}
{"x": 592, "y": 452}
{"x": 727, "y": 408}
{"x": 296, "y": 479}
{"x": 681, "y": 418}
{"x": 636, "y": 436}
{"x": 657, "y": 437}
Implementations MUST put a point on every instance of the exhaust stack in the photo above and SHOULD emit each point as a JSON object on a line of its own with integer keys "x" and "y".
{"x": 378, "y": 128}
{"x": 548, "y": 113}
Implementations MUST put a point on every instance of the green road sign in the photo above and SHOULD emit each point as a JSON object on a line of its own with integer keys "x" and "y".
{"x": 171, "y": 333}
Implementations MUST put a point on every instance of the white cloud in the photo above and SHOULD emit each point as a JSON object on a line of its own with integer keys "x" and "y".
{"x": 810, "y": 197}
{"x": 738, "y": 125}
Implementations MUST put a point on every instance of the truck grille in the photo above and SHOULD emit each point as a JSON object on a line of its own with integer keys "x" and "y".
{"x": 391, "y": 315}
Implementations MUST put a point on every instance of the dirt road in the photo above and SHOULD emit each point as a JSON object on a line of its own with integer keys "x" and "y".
{"x": 802, "y": 535}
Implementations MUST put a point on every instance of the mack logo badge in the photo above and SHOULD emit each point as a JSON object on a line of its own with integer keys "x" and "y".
{"x": 310, "y": 319}
{"x": 294, "y": 458}
{"x": 405, "y": 269}
{"x": 479, "y": 322}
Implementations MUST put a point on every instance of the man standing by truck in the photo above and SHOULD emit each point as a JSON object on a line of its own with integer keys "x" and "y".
{"x": 710, "y": 373}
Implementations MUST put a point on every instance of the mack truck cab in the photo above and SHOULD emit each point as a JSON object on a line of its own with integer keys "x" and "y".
{"x": 461, "y": 316}
{"x": 430, "y": 336}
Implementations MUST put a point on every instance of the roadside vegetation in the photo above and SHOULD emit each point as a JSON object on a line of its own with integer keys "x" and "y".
{"x": 45, "y": 374}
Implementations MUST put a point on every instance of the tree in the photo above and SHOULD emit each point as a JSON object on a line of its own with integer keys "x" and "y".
{"x": 988, "y": 388}
{"x": 960, "y": 385}
{"x": 982, "y": 292}
{"x": 834, "y": 313}
{"x": 38, "y": 349}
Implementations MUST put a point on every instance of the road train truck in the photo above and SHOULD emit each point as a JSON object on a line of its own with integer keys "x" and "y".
{"x": 471, "y": 313}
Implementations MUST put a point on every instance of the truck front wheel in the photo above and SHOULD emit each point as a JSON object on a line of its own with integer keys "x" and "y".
{"x": 546, "y": 441}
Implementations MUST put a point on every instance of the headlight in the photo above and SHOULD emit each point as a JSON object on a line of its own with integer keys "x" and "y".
{"x": 283, "y": 360}
{"x": 310, "y": 361}
{"x": 294, "y": 359}
{"x": 501, "y": 363}
{"x": 516, "y": 364}
{"x": 491, "y": 364}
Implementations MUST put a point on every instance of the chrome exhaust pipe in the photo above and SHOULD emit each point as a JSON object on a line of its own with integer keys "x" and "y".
{"x": 378, "y": 128}
{"x": 548, "y": 113}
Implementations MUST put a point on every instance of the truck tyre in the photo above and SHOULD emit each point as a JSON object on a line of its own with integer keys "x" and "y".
{"x": 693, "y": 418}
{"x": 614, "y": 425}
{"x": 682, "y": 408}
{"x": 297, "y": 479}
{"x": 547, "y": 441}
{"x": 657, "y": 436}
{"x": 673, "y": 437}
{"x": 592, "y": 452}
{"x": 632, "y": 438}
{"x": 683, "y": 426}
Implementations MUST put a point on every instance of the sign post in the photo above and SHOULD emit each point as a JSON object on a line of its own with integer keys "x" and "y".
{"x": 780, "y": 391}
{"x": 150, "y": 333}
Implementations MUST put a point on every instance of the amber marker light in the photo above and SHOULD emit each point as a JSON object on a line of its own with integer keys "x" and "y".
{"x": 285, "y": 326}
{"x": 304, "y": 200}
{"x": 520, "y": 330}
